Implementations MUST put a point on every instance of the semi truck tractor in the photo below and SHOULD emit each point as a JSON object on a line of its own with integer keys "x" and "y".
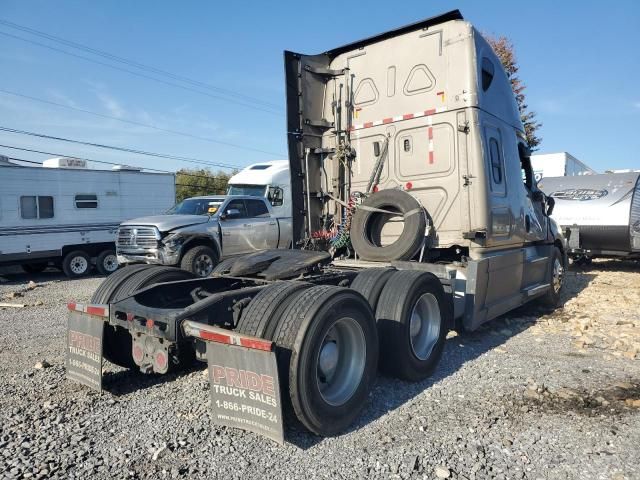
{"x": 414, "y": 211}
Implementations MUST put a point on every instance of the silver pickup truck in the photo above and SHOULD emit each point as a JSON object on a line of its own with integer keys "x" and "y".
{"x": 199, "y": 232}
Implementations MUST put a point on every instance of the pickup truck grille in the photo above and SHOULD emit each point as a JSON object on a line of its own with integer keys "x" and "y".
{"x": 137, "y": 237}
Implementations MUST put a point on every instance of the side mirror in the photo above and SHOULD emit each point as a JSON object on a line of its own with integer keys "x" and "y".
{"x": 230, "y": 214}
{"x": 551, "y": 202}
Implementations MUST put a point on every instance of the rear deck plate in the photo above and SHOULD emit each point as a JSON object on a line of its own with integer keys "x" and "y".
{"x": 245, "y": 391}
{"x": 84, "y": 349}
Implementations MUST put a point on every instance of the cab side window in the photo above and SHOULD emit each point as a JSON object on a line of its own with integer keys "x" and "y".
{"x": 496, "y": 161}
{"x": 257, "y": 208}
{"x": 238, "y": 205}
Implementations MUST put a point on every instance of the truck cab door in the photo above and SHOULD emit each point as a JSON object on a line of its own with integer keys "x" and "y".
{"x": 265, "y": 231}
{"x": 235, "y": 226}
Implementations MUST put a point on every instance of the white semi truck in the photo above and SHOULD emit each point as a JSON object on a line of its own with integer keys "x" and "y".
{"x": 415, "y": 210}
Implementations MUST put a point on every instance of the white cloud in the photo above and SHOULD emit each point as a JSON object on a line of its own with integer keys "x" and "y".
{"x": 111, "y": 104}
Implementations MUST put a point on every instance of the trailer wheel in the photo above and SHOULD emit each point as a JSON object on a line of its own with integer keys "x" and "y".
{"x": 368, "y": 224}
{"x": 552, "y": 297}
{"x": 328, "y": 340}
{"x": 260, "y": 318}
{"x": 107, "y": 262}
{"x": 370, "y": 282}
{"x": 34, "y": 267}
{"x": 76, "y": 264}
{"x": 224, "y": 267}
{"x": 200, "y": 260}
{"x": 412, "y": 317}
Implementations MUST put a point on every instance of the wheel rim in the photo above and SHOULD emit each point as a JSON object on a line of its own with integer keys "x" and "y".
{"x": 424, "y": 326}
{"x": 203, "y": 265}
{"x": 79, "y": 265}
{"x": 558, "y": 274}
{"x": 340, "y": 361}
{"x": 110, "y": 263}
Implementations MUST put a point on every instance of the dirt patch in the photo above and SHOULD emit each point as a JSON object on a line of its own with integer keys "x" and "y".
{"x": 617, "y": 399}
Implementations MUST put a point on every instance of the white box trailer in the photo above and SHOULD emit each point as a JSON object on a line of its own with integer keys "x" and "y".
{"x": 69, "y": 216}
{"x": 561, "y": 164}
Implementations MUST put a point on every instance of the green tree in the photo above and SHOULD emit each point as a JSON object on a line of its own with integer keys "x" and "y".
{"x": 195, "y": 182}
{"x": 503, "y": 48}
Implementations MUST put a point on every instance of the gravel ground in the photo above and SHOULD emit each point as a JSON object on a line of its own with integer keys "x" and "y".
{"x": 525, "y": 397}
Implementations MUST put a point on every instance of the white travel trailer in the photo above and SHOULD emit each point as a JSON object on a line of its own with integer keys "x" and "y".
{"x": 265, "y": 179}
{"x": 67, "y": 214}
{"x": 560, "y": 164}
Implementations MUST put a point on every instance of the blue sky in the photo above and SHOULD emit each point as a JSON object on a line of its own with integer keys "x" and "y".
{"x": 580, "y": 61}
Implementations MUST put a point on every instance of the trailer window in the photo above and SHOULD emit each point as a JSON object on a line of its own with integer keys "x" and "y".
{"x": 496, "y": 161}
{"x": 36, "y": 207}
{"x": 86, "y": 201}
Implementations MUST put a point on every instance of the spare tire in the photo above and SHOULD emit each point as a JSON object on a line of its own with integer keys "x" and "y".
{"x": 379, "y": 211}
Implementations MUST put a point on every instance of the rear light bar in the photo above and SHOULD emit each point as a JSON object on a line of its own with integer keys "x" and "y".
{"x": 98, "y": 310}
{"x": 228, "y": 337}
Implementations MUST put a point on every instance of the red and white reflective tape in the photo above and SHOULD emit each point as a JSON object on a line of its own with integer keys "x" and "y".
{"x": 98, "y": 310}
{"x": 399, "y": 118}
{"x": 219, "y": 335}
{"x": 431, "y": 150}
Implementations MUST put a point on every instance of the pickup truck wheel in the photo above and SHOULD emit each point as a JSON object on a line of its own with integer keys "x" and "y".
{"x": 412, "y": 317}
{"x": 370, "y": 282}
{"x": 76, "y": 264}
{"x": 261, "y": 316}
{"x": 327, "y": 338}
{"x": 117, "y": 341}
{"x": 200, "y": 260}
{"x": 552, "y": 297}
{"x": 34, "y": 267}
{"x": 224, "y": 267}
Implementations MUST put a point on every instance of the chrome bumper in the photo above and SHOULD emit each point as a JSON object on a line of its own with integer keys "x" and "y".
{"x": 155, "y": 256}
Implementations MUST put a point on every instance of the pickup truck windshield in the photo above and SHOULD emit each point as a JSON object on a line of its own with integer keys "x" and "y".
{"x": 251, "y": 190}
{"x": 197, "y": 206}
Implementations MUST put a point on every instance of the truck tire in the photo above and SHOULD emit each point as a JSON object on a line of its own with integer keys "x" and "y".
{"x": 200, "y": 260}
{"x": 116, "y": 340}
{"x": 224, "y": 267}
{"x": 551, "y": 299}
{"x": 76, "y": 264}
{"x": 412, "y": 318}
{"x": 327, "y": 338}
{"x": 370, "y": 282}
{"x": 105, "y": 291}
{"x": 367, "y": 225}
{"x": 34, "y": 267}
{"x": 107, "y": 262}
{"x": 261, "y": 316}
{"x": 147, "y": 277}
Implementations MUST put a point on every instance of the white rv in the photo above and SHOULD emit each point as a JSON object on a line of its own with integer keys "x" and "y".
{"x": 265, "y": 179}
{"x": 560, "y": 164}
{"x": 67, "y": 214}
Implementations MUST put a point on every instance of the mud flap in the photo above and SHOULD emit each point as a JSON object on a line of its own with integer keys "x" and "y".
{"x": 243, "y": 376}
{"x": 85, "y": 328}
